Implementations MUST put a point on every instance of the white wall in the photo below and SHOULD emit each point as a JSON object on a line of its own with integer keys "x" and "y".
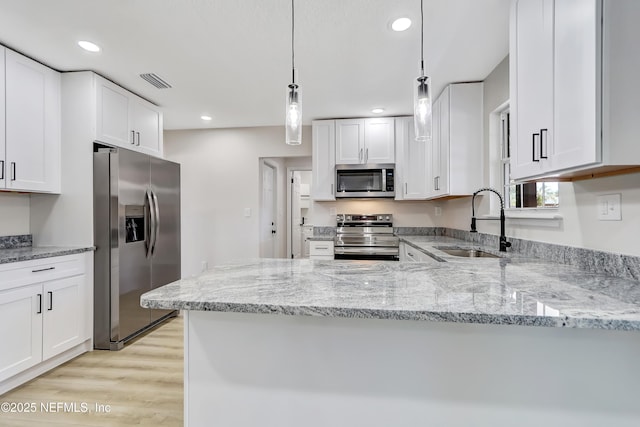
{"x": 220, "y": 178}
{"x": 14, "y": 214}
{"x": 579, "y": 226}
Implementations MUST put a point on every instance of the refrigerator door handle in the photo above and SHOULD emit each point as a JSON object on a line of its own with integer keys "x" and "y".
{"x": 150, "y": 226}
{"x": 156, "y": 213}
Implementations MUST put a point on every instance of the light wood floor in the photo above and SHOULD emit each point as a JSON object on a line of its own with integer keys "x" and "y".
{"x": 142, "y": 383}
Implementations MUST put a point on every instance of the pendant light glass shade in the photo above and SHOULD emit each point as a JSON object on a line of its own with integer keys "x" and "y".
{"x": 422, "y": 108}
{"x": 293, "y": 111}
{"x": 294, "y": 115}
{"x": 422, "y": 93}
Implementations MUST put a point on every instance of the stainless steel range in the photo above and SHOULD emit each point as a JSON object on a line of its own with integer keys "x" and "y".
{"x": 370, "y": 236}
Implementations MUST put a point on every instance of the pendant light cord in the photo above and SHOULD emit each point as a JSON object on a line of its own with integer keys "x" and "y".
{"x": 293, "y": 57}
{"x": 421, "y": 37}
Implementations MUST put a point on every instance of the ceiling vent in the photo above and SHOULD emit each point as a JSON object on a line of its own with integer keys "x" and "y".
{"x": 155, "y": 80}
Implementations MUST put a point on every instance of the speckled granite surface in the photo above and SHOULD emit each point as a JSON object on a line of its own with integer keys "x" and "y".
{"x": 512, "y": 290}
{"x": 29, "y": 253}
{"x": 18, "y": 241}
{"x": 324, "y": 231}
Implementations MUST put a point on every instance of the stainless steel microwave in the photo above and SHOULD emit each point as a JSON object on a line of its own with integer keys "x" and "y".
{"x": 365, "y": 181}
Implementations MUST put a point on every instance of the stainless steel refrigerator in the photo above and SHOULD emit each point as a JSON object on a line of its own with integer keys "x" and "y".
{"x": 137, "y": 239}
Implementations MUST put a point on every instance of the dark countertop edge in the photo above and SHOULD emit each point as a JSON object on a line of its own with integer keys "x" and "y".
{"x": 55, "y": 251}
{"x": 417, "y": 315}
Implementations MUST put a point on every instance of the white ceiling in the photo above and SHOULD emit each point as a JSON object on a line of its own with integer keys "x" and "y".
{"x": 231, "y": 59}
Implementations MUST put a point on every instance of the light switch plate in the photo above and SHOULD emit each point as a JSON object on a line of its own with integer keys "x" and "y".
{"x": 438, "y": 211}
{"x": 609, "y": 208}
{"x": 247, "y": 212}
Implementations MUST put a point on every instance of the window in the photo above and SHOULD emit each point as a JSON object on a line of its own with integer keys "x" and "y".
{"x": 530, "y": 195}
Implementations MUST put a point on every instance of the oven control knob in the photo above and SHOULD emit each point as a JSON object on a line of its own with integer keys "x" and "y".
{"x": 340, "y": 217}
{"x": 388, "y": 218}
{"x": 348, "y": 217}
{"x": 380, "y": 217}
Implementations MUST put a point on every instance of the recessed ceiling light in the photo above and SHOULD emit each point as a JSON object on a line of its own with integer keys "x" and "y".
{"x": 377, "y": 110}
{"x": 401, "y": 24}
{"x": 207, "y": 118}
{"x": 88, "y": 46}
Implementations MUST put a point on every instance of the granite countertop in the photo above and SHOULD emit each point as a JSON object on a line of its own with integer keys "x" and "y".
{"x": 29, "y": 253}
{"x": 510, "y": 290}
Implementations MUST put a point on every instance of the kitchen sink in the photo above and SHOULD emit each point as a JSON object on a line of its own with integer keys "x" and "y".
{"x": 467, "y": 253}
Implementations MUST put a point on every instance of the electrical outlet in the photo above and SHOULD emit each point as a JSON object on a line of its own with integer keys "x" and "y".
{"x": 247, "y": 212}
{"x": 609, "y": 208}
{"x": 438, "y": 211}
{"x": 333, "y": 212}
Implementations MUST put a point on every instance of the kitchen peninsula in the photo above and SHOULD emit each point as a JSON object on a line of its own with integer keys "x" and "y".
{"x": 483, "y": 342}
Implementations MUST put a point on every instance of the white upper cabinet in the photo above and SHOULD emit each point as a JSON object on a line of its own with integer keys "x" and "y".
{"x": 573, "y": 87}
{"x": 412, "y": 166}
{"x": 147, "y": 123}
{"x": 126, "y": 120}
{"x": 3, "y": 162}
{"x": 112, "y": 121}
{"x": 30, "y": 141}
{"x": 365, "y": 141}
{"x": 456, "y": 148}
{"x": 323, "y": 159}
{"x": 349, "y": 141}
{"x": 379, "y": 140}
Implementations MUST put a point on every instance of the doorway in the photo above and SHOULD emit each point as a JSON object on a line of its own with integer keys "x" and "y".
{"x": 268, "y": 203}
{"x": 299, "y": 212}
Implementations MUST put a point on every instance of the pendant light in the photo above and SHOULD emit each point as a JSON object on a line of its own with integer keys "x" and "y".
{"x": 422, "y": 93}
{"x": 294, "y": 98}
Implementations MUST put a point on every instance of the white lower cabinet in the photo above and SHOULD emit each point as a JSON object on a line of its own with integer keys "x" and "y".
{"x": 21, "y": 329}
{"x": 321, "y": 249}
{"x": 410, "y": 254}
{"x": 63, "y": 314}
{"x": 44, "y": 311}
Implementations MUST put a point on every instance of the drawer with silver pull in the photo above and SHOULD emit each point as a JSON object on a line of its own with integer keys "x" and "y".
{"x": 321, "y": 248}
{"x": 29, "y": 272}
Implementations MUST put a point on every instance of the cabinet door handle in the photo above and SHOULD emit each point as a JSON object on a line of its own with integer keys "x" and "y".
{"x": 533, "y": 147}
{"x": 13, "y": 171}
{"x": 542, "y": 138}
{"x": 133, "y": 137}
{"x": 2, "y": 169}
{"x": 39, "y": 304}
{"x": 360, "y": 156}
{"x": 43, "y": 269}
{"x": 332, "y": 192}
{"x": 366, "y": 155}
{"x": 138, "y": 142}
{"x": 405, "y": 189}
{"x": 50, "y": 301}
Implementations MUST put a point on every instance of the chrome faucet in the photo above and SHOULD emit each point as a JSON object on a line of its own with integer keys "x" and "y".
{"x": 503, "y": 239}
